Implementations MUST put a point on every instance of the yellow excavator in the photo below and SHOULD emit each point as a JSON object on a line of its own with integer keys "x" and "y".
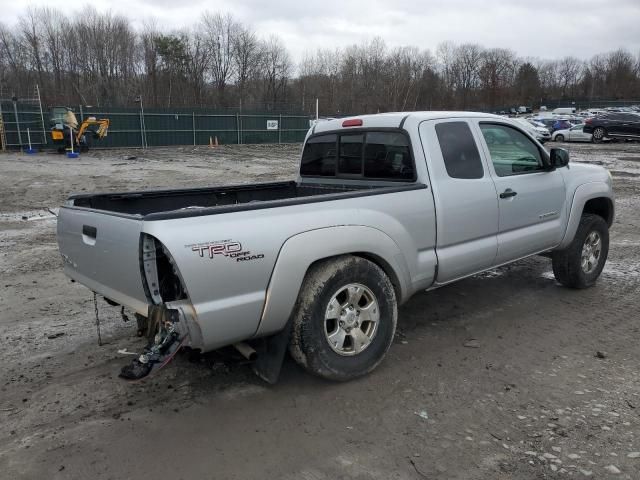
{"x": 64, "y": 125}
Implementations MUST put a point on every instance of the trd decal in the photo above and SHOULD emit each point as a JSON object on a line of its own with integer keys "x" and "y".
{"x": 212, "y": 249}
{"x": 226, "y": 248}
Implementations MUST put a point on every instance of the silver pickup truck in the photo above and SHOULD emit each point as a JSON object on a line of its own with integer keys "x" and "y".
{"x": 384, "y": 206}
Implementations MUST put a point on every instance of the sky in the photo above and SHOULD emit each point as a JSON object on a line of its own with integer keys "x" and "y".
{"x": 532, "y": 28}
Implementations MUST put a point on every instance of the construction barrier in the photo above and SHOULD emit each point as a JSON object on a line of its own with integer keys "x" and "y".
{"x": 134, "y": 127}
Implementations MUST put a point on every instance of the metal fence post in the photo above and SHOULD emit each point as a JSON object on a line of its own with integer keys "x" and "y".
{"x": 15, "y": 112}
{"x": 238, "y": 126}
{"x": 141, "y": 131}
{"x": 3, "y": 137}
{"x": 193, "y": 124}
{"x": 280, "y": 129}
{"x": 44, "y": 134}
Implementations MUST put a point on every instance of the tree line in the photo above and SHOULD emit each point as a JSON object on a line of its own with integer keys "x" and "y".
{"x": 100, "y": 59}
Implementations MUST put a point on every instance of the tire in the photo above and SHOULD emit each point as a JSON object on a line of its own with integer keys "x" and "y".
{"x": 559, "y": 138}
{"x": 312, "y": 323}
{"x": 568, "y": 267}
{"x": 598, "y": 135}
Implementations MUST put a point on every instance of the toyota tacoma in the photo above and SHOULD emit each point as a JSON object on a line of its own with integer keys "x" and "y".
{"x": 384, "y": 206}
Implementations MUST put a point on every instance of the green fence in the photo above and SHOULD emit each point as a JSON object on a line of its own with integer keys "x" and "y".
{"x": 163, "y": 127}
{"x": 29, "y": 124}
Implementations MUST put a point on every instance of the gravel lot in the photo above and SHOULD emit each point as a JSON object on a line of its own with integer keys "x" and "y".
{"x": 495, "y": 377}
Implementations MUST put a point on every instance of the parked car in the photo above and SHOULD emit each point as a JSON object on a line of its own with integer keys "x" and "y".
{"x": 384, "y": 206}
{"x": 539, "y": 132}
{"x": 573, "y": 134}
{"x": 553, "y": 123}
{"x": 614, "y": 125}
{"x": 564, "y": 111}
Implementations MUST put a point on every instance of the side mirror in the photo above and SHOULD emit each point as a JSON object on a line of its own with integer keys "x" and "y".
{"x": 559, "y": 157}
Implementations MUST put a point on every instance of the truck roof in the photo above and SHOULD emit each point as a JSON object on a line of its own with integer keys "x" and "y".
{"x": 394, "y": 119}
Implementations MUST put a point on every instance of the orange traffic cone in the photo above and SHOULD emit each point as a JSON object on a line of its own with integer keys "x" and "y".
{"x": 216, "y": 144}
{"x": 210, "y": 142}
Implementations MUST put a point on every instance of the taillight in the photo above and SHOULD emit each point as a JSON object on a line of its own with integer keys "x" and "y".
{"x": 353, "y": 122}
{"x": 588, "y": 120}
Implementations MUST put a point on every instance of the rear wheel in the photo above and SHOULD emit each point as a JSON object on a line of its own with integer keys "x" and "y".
{"x": 598, "y": 135}
{"x": 344, "y": 319}
{"x": 559, "y": 138}
{"x": 580, "y": 264}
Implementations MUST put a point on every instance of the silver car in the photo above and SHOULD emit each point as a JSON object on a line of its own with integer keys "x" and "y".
{"x": 573, "y": 134}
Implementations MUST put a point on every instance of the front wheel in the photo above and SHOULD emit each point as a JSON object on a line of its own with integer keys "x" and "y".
{"x": 580, "y": 264}
{"x": 559, "y": 138}
{"x": 598, "y": 135}
{"x": 344, "y": 319}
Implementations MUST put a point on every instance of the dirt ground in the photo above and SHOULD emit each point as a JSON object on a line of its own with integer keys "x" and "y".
{"x": 495, "y": 377}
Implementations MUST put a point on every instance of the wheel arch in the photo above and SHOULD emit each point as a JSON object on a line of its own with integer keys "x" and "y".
{"x": 386, "y": 268}
{"x": 595, "y": 198}
{"x": 302, "y": 251}
{"x": 602, "y": 206}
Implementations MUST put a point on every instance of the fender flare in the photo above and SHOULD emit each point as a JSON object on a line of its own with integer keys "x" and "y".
{"x": 300, "y": 251}
{"x": 581, "y": 196}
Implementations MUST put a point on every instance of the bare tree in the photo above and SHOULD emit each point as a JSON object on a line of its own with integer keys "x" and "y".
{"x": 220, "y": 31}
{"x": 568, "y": 74}
{"x": 246, "y": 51}
{"x": 496, "y": 74}
{"x": 466, "y": 69}
{"x": 30, "y": 30}
{"x": 99, "y": 58}
{"x": 275, "y": 70}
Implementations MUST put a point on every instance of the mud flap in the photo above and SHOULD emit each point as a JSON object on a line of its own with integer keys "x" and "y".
{"x": 271, "y": 351}
{"x": 164, "y": 341}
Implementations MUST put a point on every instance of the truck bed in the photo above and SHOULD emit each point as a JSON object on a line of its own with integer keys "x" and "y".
{"x": 162, "y": 204}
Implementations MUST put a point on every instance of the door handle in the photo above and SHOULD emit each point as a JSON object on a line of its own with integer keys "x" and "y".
{"x": 89, "y": 234}
{"x": 508, "y": 193}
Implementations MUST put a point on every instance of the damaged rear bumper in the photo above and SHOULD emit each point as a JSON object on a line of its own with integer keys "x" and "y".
{"x": 167, "y": 329}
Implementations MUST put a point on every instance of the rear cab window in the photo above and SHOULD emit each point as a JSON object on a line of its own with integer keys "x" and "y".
{"x": 372, "y": 155}
{"x": 319, "y": 156}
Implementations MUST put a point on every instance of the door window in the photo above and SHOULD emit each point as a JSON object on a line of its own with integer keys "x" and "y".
{"x": 512, "y": 152}
{"x": 459, "y": 150}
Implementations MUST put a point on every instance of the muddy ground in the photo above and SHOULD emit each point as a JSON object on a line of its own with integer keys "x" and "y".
{"x": 495, "y": 377}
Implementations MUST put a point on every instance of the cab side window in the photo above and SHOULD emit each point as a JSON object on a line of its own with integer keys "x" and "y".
{"x": 459, "y": 150}
{"x": 512, "y": 152}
